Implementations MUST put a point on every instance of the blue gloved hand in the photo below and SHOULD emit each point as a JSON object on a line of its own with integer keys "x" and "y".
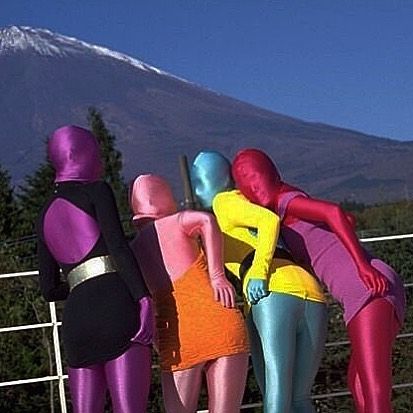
{"x": 256, "y": 289}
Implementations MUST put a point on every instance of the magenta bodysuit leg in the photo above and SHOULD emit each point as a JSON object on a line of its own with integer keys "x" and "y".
{"x": 353, "y": 381}
{"x": 87, "y": 388}
{"x": 128, "y": 377}
{"x": 226, "y": 378}
{"x": 372, "y": 333}
{"x": 181, "y": 389}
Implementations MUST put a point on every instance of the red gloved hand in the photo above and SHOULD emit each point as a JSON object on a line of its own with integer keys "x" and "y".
{"x": 373, "y": 279}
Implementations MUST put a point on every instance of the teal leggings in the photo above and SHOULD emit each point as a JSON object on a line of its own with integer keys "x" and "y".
{"x": 287, "y": 336}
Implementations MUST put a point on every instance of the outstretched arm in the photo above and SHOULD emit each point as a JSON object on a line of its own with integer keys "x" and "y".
{"x": 342, "y": 225}
{"x": 203, "y": 225}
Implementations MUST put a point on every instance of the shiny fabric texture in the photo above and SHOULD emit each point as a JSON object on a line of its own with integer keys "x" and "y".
{"x": 321, "y": 235}
{"x": 127, "y": 378}
{"x": 75, "y": 154}
{"x": 225, "y": 376}
{"x": 256, "y": 176}
{"x": 287, "y": 332}
{"x": 330, "y": 239}
{"x": 194, "y": 329}
{"x": 315, "y": 245}
{"x": 150, "y": 196}
{"x": 372, "y": 333}
{"x": 146, "y": 322}
{"x": 63, "y": 217}
{"x": 210, "y": 174}
{"x": 287, "y": 337}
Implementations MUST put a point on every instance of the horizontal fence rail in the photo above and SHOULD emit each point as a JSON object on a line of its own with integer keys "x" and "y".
{"x": 60, "y": 377}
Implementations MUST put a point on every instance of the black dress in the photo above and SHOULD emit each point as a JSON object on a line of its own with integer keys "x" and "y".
{"x": 101, "y": 314}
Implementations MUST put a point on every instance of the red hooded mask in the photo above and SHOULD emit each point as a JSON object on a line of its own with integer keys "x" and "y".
{"x": 256, "y": 177}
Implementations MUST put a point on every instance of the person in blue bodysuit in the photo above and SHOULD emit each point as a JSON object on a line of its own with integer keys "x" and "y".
{"x": 286, "y": 311}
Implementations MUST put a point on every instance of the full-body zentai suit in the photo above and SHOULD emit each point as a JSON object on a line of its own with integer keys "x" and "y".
{"x": 107, "y": 321}
{"x": 321, "y": 235}
{"x": 198, "y": 329}
{"x": 285, "y": 305}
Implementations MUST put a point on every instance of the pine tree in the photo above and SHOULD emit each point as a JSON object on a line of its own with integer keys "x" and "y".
{"x": 8, "y": 220}
{"x": 32, "y": 197}
{"x": 7, "y": 206}
{"x": 112, "y": 159}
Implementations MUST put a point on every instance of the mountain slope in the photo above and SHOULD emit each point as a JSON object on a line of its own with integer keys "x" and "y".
{"x": 47, "y": 80}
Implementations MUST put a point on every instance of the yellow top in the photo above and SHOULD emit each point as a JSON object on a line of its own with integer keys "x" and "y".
{"x": 238, "y": 218}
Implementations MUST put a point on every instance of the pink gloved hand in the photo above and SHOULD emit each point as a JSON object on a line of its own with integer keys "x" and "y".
{"x": 373, "y": 279}
{"x": 146, "y": 328}
{"x": 223, "y": 291}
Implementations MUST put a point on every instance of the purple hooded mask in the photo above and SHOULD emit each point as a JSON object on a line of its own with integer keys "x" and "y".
{"x": 75, "y": 154}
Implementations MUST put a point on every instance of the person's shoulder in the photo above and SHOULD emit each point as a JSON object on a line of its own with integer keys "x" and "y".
{"x": 226, "y": 196}
{"x": 290, "y": 192}
{"x": 98, "y": 185}
{"x": 97, "y": 188}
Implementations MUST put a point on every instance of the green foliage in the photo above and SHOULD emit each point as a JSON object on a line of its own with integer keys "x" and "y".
{"x": 387, "y": 219}
{"x": 112, "y": 159}
{"x": 353, "y": 206}
{"x": 8, "y": 216}
{"x": 32, "y": 197}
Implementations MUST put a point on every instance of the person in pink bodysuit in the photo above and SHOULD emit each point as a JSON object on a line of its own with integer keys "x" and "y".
{"x": 198, "y": 329}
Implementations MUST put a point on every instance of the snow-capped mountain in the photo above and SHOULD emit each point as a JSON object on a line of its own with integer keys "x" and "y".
{"x": 46, "y": 43}
{"x": 47, "y": 80}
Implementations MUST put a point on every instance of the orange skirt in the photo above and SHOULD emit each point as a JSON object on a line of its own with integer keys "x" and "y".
{"x": 192, "y": 327}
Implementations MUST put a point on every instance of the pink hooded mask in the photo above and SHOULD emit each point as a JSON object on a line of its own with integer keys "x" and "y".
{"x": 151, "y": 197}
{"x": 75, "y": 154}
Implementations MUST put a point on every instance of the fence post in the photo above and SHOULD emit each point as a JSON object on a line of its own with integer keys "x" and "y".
{"x": 59, "y": 367}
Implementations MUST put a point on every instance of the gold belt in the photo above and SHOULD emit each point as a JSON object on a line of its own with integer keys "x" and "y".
{"x": 89, "y": 269}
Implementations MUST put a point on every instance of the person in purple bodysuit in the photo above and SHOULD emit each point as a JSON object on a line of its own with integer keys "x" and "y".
{"x": 107, "y": 321}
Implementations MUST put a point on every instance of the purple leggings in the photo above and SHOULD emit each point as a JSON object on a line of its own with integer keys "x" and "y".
{"x": 127, "y": 377}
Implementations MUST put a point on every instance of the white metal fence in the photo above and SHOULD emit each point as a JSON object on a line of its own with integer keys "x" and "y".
{"x": 60, "y": 377}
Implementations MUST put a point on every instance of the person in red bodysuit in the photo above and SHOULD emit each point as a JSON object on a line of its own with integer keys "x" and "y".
{"x": 321, "y": 235}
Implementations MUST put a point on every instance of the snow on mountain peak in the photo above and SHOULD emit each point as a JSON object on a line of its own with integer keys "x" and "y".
{"x": 21, "y": 38}
{"x": 47, "y": 43}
